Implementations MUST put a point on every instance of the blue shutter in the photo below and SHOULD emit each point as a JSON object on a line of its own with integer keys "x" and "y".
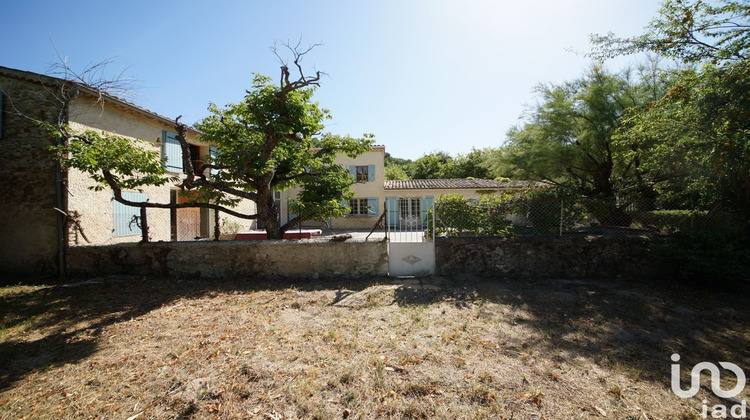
{"x": 426, "y": 205}
{"x": 171, "y": 152}
{"x": 371, "y": 173}
{"x": 212, "y": 155}
{"x": 353, "y": 172}
{"x": 124, "y": 224}
{"x": 372, "y": 207}
{"x": 391, "y": 204}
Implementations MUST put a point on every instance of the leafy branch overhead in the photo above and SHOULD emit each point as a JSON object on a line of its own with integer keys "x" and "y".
{"x": 658, "y": 138}
{"x": 692, "y": 31}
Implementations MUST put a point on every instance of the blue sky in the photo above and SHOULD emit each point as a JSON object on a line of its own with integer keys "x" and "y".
{"x": 421, "y": 75}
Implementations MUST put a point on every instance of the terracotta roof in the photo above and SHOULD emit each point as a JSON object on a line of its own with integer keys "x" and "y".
{"x": 459, "y": 184}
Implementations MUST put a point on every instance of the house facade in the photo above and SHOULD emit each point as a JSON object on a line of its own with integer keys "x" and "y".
{"x": 368, "y": 173}
{"x": 408, "y": 201}
{"x": 48, "y": 208}
{"x": 405, "y": 201}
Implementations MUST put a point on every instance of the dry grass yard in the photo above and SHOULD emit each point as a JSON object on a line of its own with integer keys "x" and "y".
{"x": 127, "y": 348}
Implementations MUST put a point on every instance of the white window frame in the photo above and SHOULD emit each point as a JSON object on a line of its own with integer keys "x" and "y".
{"x": 359, "y": 207}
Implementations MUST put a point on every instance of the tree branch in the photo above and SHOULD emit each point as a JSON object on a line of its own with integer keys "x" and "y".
{"x": 187, "y": 161}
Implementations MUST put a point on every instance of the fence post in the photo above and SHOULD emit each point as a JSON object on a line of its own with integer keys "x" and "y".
{"x": 144, "y": 225}
{"x": 385, "y": 220}
{"x": 217, "y": 227}
{"x": 434, "y": 222}
{"x": 562, "y": 208}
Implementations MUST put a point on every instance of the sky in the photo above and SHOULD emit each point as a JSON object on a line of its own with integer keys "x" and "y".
{"x": 421, "y": 75}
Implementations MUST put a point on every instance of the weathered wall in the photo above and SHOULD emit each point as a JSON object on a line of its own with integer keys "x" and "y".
{"x": 28, "y": 228}
{"x": 547, "y": 257}
{"x": 232, "y": 259}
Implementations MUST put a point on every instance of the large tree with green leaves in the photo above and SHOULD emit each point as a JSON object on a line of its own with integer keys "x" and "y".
{"x": 568, "y": 135}
{"x": 441, "y": 165}
{"x": 270, "y": 141}
{"x": 699, "y": 132}
{"x": 700, "y": 129}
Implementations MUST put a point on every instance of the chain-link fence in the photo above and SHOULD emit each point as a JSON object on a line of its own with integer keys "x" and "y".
{"x": 117, "y": 224}
{"x": 554, "y": 216}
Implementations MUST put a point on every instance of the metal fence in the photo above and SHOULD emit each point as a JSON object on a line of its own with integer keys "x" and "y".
{"x": 126, "y": 224}
{"x": 559, "y": 217}
{"x": 498, "y": 216}
{"x": 104, "y": 225}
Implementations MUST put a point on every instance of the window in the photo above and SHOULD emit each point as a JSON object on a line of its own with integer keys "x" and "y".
{"x": 364, "y": 206}
{"x": 409, "y": 207}
{"x": 127, "y": 219}
{"x": 358, "y": 206}
{"x": 195, "y": 153}
{"x": 362, "y": 173}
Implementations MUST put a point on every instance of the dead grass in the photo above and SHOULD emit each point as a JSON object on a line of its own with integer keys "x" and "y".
{"x": 125, "y": 347}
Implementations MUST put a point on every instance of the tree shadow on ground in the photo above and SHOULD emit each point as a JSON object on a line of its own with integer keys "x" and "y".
{"x": 62, "y": 324}
{"x": 633, "y": 326}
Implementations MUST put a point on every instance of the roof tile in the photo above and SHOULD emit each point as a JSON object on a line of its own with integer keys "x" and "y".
{"x": 460, "y": 184}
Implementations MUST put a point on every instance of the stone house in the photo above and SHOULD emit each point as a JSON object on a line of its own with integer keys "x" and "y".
{"x": 35, "y": 235}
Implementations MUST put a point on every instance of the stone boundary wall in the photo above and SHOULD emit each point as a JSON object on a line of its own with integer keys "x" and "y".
{"x": 207, "y": 259}
{"x": 548, "y": 257}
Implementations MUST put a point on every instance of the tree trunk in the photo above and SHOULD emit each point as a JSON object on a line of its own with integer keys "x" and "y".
{"x": 268, "y": 213}
{"x": 144, "y": 225}
{"x": 273, "y": 229}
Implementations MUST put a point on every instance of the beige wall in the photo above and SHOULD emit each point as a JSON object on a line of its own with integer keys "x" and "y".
{"x": 96, "y": 208}
{"x": 376, "y": 157}
{"x": 362, "y": 190}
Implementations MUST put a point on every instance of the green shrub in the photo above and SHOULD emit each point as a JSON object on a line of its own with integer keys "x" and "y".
{"x": 706, "y": 258}
{"x": 547, "y": 208}
{"x": 457, "y": 216}
{"x": 492, "y": 214}
{"x": 670, "y": 221}
{"x": 607, "y": 211}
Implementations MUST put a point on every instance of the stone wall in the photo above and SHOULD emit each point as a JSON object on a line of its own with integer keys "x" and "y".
{"x": 547, "y": 257}
{"x": 28, "y": 221}
{"x": 232, "y": 259}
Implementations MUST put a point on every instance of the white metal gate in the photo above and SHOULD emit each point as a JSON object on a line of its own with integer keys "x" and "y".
{"x": 410, "y": 252}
